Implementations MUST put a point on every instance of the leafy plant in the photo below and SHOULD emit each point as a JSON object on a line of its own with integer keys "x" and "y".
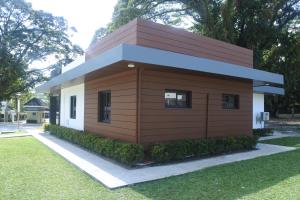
{"x": 126, "y": 153}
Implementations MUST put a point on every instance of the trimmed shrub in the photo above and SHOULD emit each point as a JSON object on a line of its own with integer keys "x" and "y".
{"x": 179, "y": 150}
{"x": 262, "y": 132}
{"x": 131, "y": 154}
{"x": 46, "y": 127}
{"x": 123, "y": 152}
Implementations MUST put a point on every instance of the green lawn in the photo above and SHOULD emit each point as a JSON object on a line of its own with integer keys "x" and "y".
{"x": 287, "y": 141}
{"x": 29, "y": 170}
{"x": 13, "y": 132}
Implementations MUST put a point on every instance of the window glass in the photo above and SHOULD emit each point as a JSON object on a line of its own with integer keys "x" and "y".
{"x": 230, "y": 101}
{"x": 170, "y": 99}
{"x": 177, "y": 99}
{"x": 104, "y": 102}
{"x": 73, "y": 107}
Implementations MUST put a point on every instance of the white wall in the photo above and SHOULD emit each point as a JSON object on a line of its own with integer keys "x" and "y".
{"x": 66, "y": 94}
{"x": 258, "y": 107}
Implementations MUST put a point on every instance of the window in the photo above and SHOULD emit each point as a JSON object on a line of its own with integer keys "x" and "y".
{"x": 104, "y": 102}
{"x": 178, "y": 99}
{"x": 230, "y": 101}
{"x": 33, "y": 114}
{"x": 46, "y": 115}
{"x": 73, "y": 107}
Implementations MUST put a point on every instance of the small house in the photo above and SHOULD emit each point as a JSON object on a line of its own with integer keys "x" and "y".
{"x": 146, "y": 83}
{"x": 37, "y": 111}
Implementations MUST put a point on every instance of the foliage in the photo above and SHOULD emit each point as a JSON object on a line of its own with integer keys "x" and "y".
{"x": 126, "y": 153}
{"x": 262, "y": 132}
{"x": 28, "y": 35}
{"x": 179, "y": 150}
{"x": 269, "y": 27}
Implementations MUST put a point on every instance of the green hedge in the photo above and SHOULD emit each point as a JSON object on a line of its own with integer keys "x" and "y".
{"x": 179, "y": 150}
{"x": 131, "y": 154}
{"x": 262, "y": 132}
{"x": 123, "y": 152}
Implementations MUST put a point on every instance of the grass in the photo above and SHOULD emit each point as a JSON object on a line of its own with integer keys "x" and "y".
{"x": 286, "y": 141}
{"x": 13, "y": 132}
{"x": 29, "y": 170}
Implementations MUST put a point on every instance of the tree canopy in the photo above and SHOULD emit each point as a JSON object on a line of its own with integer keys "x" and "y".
{"x": 28, "y": 35}
{"x": 269, "y": 27}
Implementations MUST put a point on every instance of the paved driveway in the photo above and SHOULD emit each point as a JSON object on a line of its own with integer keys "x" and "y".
{"x": 11, "y": 127}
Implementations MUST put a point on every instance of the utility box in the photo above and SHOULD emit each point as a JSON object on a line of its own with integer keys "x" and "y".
{"x": 265, "y": 116}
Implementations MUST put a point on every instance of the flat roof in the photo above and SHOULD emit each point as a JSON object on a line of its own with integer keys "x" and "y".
{"x": 268, "y": 90}
{"x": 162, "y": 58}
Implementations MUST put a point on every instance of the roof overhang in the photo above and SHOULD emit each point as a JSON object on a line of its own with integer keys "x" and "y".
{"x": 268, "y": 90}
{"x": 139, "y": 54}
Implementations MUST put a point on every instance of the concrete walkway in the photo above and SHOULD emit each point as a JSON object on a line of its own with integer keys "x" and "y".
{"x": 114, "y": 176}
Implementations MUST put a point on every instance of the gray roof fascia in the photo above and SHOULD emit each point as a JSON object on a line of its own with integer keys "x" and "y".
{"x": 268, "y": 90}
{"x": 181, "y": 61}
{"x": 135, "y": 53}
{"x": 107, "y": 58}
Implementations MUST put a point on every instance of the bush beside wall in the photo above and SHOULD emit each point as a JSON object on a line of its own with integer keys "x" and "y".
{"x": 131, "y": 154}
{"x": 126, "y": 153}
{"x": 262, "y": 132}
{"x": 179, "y": 150}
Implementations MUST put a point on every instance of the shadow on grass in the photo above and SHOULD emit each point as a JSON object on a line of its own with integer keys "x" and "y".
{"x": 231, "y": 181}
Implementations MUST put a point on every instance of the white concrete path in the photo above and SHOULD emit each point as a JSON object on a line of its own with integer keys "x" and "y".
{"x": 114, "y": 176}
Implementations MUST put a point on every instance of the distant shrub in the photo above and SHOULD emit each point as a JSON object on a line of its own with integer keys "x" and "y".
{"x": 262, "y": 132}
{"x": 46, "y": 127}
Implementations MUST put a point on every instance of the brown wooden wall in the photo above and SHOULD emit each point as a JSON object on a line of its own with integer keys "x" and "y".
{"x": 164, "y": 37}
{"x": 161, "y": 124}
{"x": 153, "y": 35}
{"x": 123, "y": 106}
{"x": 124, "y": 35}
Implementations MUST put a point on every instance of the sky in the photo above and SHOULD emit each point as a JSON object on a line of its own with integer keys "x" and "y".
{"x": 85, "y": 15}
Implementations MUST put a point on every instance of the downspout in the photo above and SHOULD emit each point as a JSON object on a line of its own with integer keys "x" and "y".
{"x": 138, "y": 103}
{"x": 207, "y": 104}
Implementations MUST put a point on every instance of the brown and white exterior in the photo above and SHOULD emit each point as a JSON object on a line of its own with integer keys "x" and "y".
{"x": 164, "y": 58}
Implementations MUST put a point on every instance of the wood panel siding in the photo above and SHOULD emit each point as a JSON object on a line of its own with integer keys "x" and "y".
{"x": 123, "y": 105}
{"x": 153, "y": 35}
{"x": 124, "y": 35}
{"x": 164, "y": 37}
{"x": 206, "y": 116}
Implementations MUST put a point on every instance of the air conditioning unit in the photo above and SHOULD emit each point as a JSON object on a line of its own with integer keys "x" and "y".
{"x": 265, "y": 116}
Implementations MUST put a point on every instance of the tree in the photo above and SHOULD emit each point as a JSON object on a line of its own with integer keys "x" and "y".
{"x": 28, "y": 35}
{"x": 268, "y": 27}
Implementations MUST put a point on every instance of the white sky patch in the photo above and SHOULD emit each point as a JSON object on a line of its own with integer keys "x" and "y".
{"x": 85, "y": 15}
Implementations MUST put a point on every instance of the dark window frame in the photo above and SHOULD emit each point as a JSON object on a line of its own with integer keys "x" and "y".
{"x": 104, "y": 106}
{"x": 188, "y": 102}
{"x": 235, "y": 104}
{"x": 73, "y": 106}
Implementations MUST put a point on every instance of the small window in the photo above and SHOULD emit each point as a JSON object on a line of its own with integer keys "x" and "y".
{"x": 230, "y": 101}
{"x": 178, "y": 99}
{"x": 104, "y": 102}
{"x": 73, "y": 107}
{"x": 33, "y": 114}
